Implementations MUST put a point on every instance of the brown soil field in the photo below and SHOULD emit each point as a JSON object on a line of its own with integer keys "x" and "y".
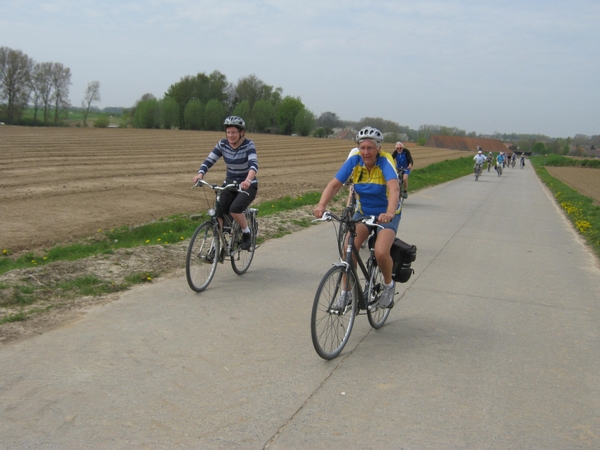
{"x": 58, "y": 185}
{"x": 584, "y": 180}
{"x": 63, "y": 185}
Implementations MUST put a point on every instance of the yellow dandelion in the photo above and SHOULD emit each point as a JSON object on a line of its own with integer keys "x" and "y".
{"x": 147, "y": 241}
{"x": 159, "y": 239}
{"x": 149, "y": 278}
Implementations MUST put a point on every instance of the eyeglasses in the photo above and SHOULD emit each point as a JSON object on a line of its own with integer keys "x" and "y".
{"x": 367, "y": 148}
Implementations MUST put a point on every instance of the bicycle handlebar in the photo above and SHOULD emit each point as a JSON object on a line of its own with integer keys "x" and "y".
{"x": 328, "y": 216}
{"x": 235, "y": 186}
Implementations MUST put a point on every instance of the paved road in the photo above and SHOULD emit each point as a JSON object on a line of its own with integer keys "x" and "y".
{"x": 493, "y": 345}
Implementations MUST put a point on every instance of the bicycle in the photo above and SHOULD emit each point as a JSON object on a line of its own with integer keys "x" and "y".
{"x": 330, "y": 326}
{"x": 403, "y": 193}
{"x": 211, "y": 245}
{"x": 478, "y": 169}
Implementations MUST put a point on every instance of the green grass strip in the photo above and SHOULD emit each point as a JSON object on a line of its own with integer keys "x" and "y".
{"x": 580, "y": 209}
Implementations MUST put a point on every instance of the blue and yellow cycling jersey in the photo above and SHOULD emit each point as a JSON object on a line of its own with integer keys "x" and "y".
{"x": 371, "y": 189}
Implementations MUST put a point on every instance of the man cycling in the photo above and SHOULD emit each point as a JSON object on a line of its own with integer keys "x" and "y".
{"x": 490, "y": 158}
{"x": 377, "y": 190}
{"x": 479, "y": 159}
{"x": 404, "y": 163}
{"x": 499, "y": 163}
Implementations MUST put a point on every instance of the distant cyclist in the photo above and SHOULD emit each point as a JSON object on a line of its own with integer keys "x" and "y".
{"x": 500, "y": 160}
{"x": 490, "y": 159}
{"x": 522, "y": 160}
{"x": 404, "y": 164}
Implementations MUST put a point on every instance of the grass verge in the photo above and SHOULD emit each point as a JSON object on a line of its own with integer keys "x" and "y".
{"x": 580, "y": 209}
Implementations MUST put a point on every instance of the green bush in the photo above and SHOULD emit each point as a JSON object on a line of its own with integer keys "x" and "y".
{"x": 102, "y": 121}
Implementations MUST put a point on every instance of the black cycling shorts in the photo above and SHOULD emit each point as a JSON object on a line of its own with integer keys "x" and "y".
{"x": 235, "y": 202}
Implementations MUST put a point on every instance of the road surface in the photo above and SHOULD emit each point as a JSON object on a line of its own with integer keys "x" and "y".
{"x": 492, "y": 344}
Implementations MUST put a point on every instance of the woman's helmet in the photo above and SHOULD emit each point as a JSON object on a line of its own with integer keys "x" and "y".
{"x": 235, "y": 121}
{"x": 370, "y": 133}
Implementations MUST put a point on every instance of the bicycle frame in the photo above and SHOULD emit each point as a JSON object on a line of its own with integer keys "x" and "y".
{"x": 228, "y": 221}
{"x": 348, "y": 263}
{"x": 212, "y": 242}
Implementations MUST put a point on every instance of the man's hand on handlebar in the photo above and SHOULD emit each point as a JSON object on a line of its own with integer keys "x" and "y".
{"x": 318, "y": 211}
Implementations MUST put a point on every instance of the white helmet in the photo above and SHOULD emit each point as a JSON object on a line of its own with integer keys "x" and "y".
{"x": 235, "y": 121}
{"x": 370, "y": 133}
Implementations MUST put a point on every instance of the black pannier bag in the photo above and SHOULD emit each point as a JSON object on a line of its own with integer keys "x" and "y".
{"x": 403, "y": 255}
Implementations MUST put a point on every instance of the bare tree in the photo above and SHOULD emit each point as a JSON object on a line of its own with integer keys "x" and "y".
{"x": 92, "y": 94}
{"x": 61, "y": 79}
{"x": 15, "y": 74}
{"x": 42, "y": 78}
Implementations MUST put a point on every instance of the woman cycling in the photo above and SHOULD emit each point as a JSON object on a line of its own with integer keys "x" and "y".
{"x": 240, "y": 158}
{"x": 377, "y": 190}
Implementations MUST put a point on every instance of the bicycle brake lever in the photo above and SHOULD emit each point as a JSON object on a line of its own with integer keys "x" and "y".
{"x": 325, "y": 217}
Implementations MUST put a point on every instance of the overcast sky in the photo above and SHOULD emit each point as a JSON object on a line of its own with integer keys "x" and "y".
{"x": 523, "y": 66}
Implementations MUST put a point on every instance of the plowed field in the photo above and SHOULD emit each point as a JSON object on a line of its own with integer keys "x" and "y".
{"x": 62, "y": 184}
{"x": 584, "y": 180}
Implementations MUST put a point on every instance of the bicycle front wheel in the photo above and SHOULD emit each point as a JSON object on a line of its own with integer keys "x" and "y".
{"x": 330, "y": 328}
{"x": 202, "y": 257}
{"x": 376, "y": 315}
{"x": 241, "y": 259}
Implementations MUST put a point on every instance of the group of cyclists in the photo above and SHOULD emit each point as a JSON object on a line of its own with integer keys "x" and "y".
{"x": 501, "y": 161}
{"x": 374, "y": 173}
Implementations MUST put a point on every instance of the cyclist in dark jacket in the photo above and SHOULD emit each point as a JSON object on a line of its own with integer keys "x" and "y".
{"x": 404, "y": 163}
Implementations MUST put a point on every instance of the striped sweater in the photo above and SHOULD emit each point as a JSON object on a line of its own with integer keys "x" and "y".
{"x": 239, "y": 161}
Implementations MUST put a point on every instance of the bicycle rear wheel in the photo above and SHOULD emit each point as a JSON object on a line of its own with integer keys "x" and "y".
{"x": 202, "y": 257}
{"x": 330, "y": 329}
{"x": 377, "y": 316}
{"x": 241, "y": 259}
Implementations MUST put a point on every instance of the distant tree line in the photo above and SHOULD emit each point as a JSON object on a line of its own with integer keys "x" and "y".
{"x": 23, "y": 82}
{"x": 202, "y": 102}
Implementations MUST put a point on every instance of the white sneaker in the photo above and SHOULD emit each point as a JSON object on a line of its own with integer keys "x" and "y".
{"x": 386, "y": 300}
{"x": 340, "y": 303}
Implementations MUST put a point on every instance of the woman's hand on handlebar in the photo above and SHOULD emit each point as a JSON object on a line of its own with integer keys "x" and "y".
{"x": 200, "y": 176}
